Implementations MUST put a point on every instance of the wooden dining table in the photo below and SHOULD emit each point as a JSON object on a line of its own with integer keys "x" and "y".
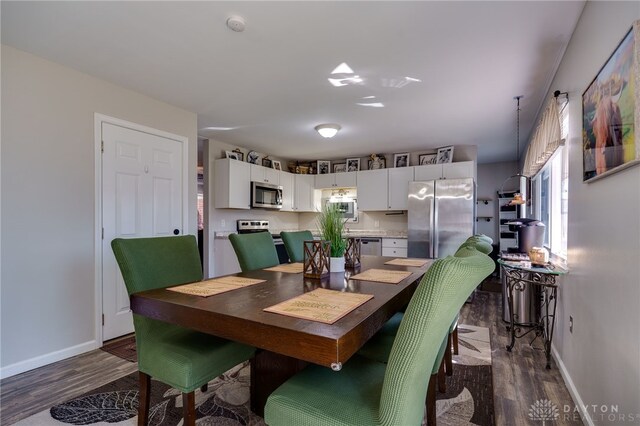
{"x": 285, "y": 344}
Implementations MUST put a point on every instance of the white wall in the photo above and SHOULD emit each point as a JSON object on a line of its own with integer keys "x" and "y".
{"x": 491, "y": 176}
{"x": 602, "y": 290}
{"x": 47, "y": 295}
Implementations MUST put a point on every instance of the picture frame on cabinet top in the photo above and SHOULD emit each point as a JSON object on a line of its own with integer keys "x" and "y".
{"x": 276, "y": 165}
{"x": 324, "y": 167}
{"x": 445, "y": 155}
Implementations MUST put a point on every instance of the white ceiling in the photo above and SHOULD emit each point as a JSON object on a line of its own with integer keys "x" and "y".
{"x": 269, "y": 83}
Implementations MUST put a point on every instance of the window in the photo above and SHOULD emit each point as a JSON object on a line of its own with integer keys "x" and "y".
{"x": 550, "y": 192}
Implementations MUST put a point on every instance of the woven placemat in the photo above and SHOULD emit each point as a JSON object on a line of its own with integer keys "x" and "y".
{"x": 382, "y": 276}
{"x": 321, "y": 305}
{"x": 215, "y": 286}
{"x": 407, "y": 262}
{"x": 290, "y": 268}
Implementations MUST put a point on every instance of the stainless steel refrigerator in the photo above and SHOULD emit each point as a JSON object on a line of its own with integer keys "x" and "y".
{"x": 441, "y": 216}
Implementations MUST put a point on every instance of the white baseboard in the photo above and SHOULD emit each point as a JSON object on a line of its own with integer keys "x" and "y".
{"x": 577, "y": 400}
{"x": 42, "y": 360}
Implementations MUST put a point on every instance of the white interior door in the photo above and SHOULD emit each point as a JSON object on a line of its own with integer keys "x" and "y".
{"x": 141, "y": 197}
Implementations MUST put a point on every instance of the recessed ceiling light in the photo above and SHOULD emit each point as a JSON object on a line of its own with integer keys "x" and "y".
{"x": 343, "y": 68}
{"x": 415, "y": 80}
{"x": 218, "y": 128}
{"x": 328, "y": 130}
{"x": 368, "y": 97}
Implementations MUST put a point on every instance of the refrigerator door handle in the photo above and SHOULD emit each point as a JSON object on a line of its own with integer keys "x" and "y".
{"x": 434, "y": 227}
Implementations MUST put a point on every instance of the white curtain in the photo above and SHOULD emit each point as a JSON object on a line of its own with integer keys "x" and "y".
{"x": 546, "y": 139}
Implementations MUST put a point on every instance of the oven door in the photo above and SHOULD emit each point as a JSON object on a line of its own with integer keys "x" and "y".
{"x": 266, "y": 196}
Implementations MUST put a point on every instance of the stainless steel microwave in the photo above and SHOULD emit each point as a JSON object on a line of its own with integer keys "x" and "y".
{"x": 266, "y": 195}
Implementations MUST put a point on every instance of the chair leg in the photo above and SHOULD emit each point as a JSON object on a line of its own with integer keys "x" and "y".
{"x": 448, "y": 357}
{"x": 204, "y": 387}
{"x": 431, "y": 401}
{"x": 189, "y": 408}
{"x": 442, "y": 382}
{"x": 455, "y": 340}
{"x": 144, "y": 398}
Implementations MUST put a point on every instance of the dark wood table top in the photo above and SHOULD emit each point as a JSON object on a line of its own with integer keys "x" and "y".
{"x": 238, "y": 315}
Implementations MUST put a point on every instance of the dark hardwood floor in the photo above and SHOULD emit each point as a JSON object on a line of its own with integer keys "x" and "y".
{"x": 520, "y": 378}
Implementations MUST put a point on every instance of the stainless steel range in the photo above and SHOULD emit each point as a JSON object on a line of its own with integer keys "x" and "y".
{"x": 250, "y": 226}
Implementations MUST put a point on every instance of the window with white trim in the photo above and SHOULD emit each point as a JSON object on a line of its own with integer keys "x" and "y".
{"x": 550, "y": 195}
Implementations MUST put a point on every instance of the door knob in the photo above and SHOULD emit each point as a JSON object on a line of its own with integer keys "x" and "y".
{"x": 176, "y": 231}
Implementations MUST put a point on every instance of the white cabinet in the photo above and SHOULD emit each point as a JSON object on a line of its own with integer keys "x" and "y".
{"x": 225, "y": 261}
{"x": 385, "y": 189}
{"x": 265, "y": 174}
{"x": 336, "y": 180}
{"x": 288, "y": 191}
{"x": 232, "y": 184}
{"x": 373, "y": 186}
{"x": 461, "y": 169}
{"x": 394, "y": 247}
{"x": 399, "y": 179}
{"x": 304, "y": 198}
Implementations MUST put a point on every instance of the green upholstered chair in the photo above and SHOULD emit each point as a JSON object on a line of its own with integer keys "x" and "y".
{"x": 487, "y": 239}
{"x": 182, "y": 358}
{"x": 368, "y": 392}
{"x": 293, "y": 242}
{"x": 254, "y": 251}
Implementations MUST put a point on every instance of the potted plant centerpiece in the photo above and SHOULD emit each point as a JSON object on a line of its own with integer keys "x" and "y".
{"x": 331, "y": 225}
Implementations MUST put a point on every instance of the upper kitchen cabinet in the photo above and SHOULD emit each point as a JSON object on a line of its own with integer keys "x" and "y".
{"x": 373, "y": 187}
{"x": 461, "y": 169}
{"x": 232, "y": 184}
{"x": 264, "y": 174}
{"x": 336, "y": 180}
{"x": 304, "y": 198}
{"x": 288, "y": 191}
{"x": 399, "y": 179}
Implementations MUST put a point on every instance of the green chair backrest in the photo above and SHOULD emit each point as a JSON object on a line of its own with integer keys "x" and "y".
{"x": 254, "y": 251}
{"x": 479, "y": 245}
{"x": 149, "y": 263}
{"x": 293, "y": 242}
{"x": 433, "y": 307}
{"x": 487, "y": 239}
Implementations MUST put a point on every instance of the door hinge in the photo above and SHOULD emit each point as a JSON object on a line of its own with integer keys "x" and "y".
{"x": 101, "y": 146}
{"x": 103, "y": 319}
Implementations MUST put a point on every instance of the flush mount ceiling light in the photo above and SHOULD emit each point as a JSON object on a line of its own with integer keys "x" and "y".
{"x": 328, "y": 130}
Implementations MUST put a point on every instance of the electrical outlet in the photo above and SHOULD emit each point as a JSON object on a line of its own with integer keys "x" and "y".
{"x": 223, "y": 223}
{"x": 376, "y": 224}
{"x": 570, "y": 324}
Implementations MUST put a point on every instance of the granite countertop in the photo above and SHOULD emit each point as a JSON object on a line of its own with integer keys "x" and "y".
{"x": 350, "y": 233}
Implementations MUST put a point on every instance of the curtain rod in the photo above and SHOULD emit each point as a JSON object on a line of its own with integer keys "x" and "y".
{"x": 558, "y": 93}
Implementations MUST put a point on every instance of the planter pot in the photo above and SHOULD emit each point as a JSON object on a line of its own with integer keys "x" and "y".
{"x": 336, "y": 264}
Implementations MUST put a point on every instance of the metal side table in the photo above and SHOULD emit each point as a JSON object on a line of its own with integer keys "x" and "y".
{"x": 518, "y": 276}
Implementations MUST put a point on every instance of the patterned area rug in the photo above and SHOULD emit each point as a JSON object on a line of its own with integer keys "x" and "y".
{"x": 468, "y": 400}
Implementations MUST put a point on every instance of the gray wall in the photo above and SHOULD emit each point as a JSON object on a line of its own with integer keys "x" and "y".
{"x": 491, "y": 176}
{"x": 48, "y": 194}
{"x": 602, "y": 291}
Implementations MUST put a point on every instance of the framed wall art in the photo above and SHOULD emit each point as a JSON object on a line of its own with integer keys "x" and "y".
{"x": 353, "y": 164}
{"x": 426, "y": 159}
{"x": 324, "y": 167}
{"x": 401, "y": 160}
{"x": 445, "y": 155}
{"x": 339, "y": 167}
{"x": 610, "y": 112}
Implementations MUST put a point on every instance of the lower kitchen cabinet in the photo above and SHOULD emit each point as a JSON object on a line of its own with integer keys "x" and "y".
{"x": 394, "y": 247}
{"x": 225, "y": 261}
